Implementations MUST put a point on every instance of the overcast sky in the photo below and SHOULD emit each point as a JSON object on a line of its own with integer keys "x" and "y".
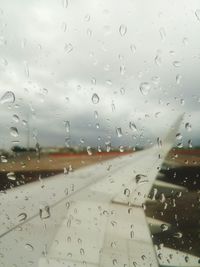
{"x": 131, "y": 61}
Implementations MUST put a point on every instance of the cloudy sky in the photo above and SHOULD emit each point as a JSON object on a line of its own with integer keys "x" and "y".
{"x": 99, "y": 66}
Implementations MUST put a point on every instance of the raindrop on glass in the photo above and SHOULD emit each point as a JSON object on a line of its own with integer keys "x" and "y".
{"x": 159, "y": 142}
{"x": 68, "y": 48}
{"x": 22, "y": 216}
{"x": 121, "y": 149}
{"x": 89, "y": 150}
{"x": 188, "y": 127}
{"x": 133, "y": 48}
{"x": 162, "y": 34}
{"x": 87, "y": 17}
{"x": 176, "y": 64}
{"x": 15, "y": 118}
{"x": 145, "y": 88}
{"x": 44, "y": 211}
{"x": 132, "y": 126}
{"x": 95, "y": 98}
{"x": 65, "y": 3}
{"x": 178, "y": 136}
{"x": 8, "y": 97}
{"x": 190, "y": 143}
{"x": 122, "y": 29}
{"x": 96, "y": 114}
{"x": 14, "y": 131}
{"x": 178, "y": 78}
{"x": 178, "y": 235}
{"x": 67, "y": 126}
{"x": 164, "y": 227}
{"x": 197, "y": 14}
{"x": 11, "y": 176}
{"x": 119, "y": 132}
{"x": 158, "y": 60}
{"x": 26, "y": 68}
{"x": 29, "y": 247}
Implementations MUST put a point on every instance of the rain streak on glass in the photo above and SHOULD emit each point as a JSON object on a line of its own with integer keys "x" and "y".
{"x": 95, "y": 98}
{"x": 122, "y": 29}
{"x": 8, "y": 97}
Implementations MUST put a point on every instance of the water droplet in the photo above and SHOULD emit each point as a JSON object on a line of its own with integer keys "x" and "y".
{"x": 11, "y": 176}
{"x": 64, "y": 27}
{"x": 89, "y": 150}
{"x": 140, "y": 178}
{"x": 197, "y": 14}
{"x": 67, "y": 141}
{"x": 180, "y": 145}
{"x": 178, "y": 235}
{"x": 96, "y": 114}
{"x": 65, "y": 3}
{"x": 122, "y": 69}
{"x": 82, "y": 252}
{"x": 44, "y": 211}
{"x": 122, "y": 29}
{"x": 127, "y": 192}
{"x": 8, "y": 97}
{"x": 121, "y": 149}
{"x": 190, "y": 143}
{"x": 114, "y": 261}
{"x": 133, "y": 48}
{"x": 132, "y": 234}
{"x": 155, "y": 80}
{"x": 178, "y": 78}
{"x": 95, "y": 98}
{"x": 22, "y": 216}
{"x": 188, "y": 127}
{"x": 182, "y": 102}
{"x": 67, "y": 126}
{"x": 87, "y": 17}
{"x": 159, "y": 142}
{"x": 68, "y": 48}
{"x": 119, "y": 132}
{"x": 162, "y": 34}
{"x": 14, "y": 131}
{"x": 164, "y": 227}
{"x": 177, "y": 64}
{"x": 122, "y": 91}
{"x": 29, "y": 247}
{"x": 132, "y": 126}
{"x": 185, "y": 41}
{"x": 108, "y": 146}
{"x": 89, "y": 32}
{"x": 15, "y": 118}
{"x": 186, "y": 259}
{"x": 158, "y": 60}
{"x": 145, "y": 88}
{"x": 4, "y": 159}
{"x": 26, "y": 68}
{"x": 178, "y": 136}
